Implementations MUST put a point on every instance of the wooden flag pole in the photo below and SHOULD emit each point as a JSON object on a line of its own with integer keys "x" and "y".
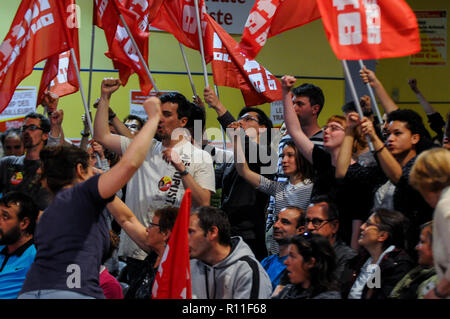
{"x": 187, "y": 69}
{"x": 355, "y": 98}
{"x": 372, "y": 96}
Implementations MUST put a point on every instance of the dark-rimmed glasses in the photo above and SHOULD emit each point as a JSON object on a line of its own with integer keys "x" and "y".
{"x": 32, "y": 127}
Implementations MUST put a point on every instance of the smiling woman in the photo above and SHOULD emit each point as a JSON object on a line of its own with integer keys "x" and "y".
{"x": 310, "y": 265}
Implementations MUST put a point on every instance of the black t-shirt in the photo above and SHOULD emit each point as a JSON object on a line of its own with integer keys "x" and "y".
{"x": 353, "y": 194}
{"x": 19, "y": 174}
{"x": 71, "y": 239}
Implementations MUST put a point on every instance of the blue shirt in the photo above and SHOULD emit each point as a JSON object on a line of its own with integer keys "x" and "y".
{"x": 274, "y": 267}
{"x": 14, "y": 268}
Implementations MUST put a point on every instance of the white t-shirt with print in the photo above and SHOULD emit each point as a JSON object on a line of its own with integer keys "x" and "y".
{"x": 157, "y": 184}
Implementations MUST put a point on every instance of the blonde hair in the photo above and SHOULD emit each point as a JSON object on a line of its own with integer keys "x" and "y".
{"x": 431, "y": 170}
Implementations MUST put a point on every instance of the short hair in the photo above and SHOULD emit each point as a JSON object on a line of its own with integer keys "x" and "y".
{"x": 208, "y": 217}
{"x": 27, "y": 208}
{"x": 184, "y": 108}
{"x": 431, "y": 170}
{"x": 427, "y": 228}
{"x": 134, "y": 117}
{"x": 315, "y": 246}
{"x": 313, "y": 92}
{"x": 263, "y": 120}
{"x": 395, "y": 224}
{"x": 414, "y": 123}
{"x": 351, "y": 107}
{"x": 198, "y": 114}
{"x": 301, "y": 220}
{"x": 11, "y": 132}
{"x": 338, "y": 118}
{"x": 167, "y": 217}
{"x": 45, "y": 122}
{"x": 331, "y": 210}
{"x": 59, "y": 165}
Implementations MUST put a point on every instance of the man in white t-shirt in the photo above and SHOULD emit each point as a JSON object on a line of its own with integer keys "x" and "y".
{"x": 172, "y": 164}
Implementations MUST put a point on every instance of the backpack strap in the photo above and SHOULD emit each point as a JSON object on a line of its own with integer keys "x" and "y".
{"x": 254, "y": 293}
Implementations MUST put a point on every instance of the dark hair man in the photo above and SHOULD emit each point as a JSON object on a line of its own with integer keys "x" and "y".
{"x": 20, "y": 173}
{"x": 172, "y": 164}
{"x": 222, "y": 267}
{"x": 18, "y": 216}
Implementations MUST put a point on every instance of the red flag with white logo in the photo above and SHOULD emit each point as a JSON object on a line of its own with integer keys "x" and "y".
{"x": 271, "y": 17}
{"x": 27, "y": 43}
{"x": 178, "y": 18}
{"x": 121, "y": 50}
{"x": 173, "y": 280}
{"x": 232, "y": 68}
{"x": 59, "y": 73}
{"x": 370, "y": 29}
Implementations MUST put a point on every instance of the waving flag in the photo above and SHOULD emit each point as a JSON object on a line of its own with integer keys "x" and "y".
{"x": 35, "y": 22}
{"x": 271, "y": 17}
{"x": 59, "y": 73}
{"x": 232, "y": 68}
{"x": 370, "y": 29}
{"x": 178, "y": 18}
{"x": 173, "y": 280}
{"x": 121, "y": 51}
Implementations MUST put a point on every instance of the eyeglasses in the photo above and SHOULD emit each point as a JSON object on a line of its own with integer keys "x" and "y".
{"x": 152, "y": 225}
{"x": 333, "y": 128}
{"x": 317, "y": 222}
{"x": 31, "y": 127}
{"x": 368, "y": 223}
{"x": 248, "y": 118}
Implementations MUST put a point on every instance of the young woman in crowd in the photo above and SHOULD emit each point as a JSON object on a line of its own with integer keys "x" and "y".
{"x": 430, "y": 175}
{"x": 73, "y": 234}
{"x": 296, "y": 192}
{"x": 351, "y": 193}
{"x": 374, "y": 273}
{"x": 310, "y": 267}
{"x": 407, "y": 138}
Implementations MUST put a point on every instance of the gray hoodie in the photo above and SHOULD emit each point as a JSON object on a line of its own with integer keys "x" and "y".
{"x": 232, "y": 278}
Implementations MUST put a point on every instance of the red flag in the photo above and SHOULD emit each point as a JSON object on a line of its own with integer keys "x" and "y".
{"x": 232, "y": 68}
{"x": 178, "y": 17}
{"x": 27, "y": 43}
{"x": 59, "y": 72}
{"x": 370, "y": 29}
{"x": 271, "y": 17}
{"x": 121, "y": 51}
{"x": 173, "y": 280}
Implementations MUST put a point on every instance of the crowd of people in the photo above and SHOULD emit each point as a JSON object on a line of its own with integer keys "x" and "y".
{"x": 357, "y": 209}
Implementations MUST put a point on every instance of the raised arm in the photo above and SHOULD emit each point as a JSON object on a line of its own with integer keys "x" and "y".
{"x": 391, "y": 168}
{"x": 291, "y": 120}
{"x": 114, "y": 179}
{"x": 423, "y": 102}
{"x": 101, "y": 127}
{"x": 368, "y": 76}
{"x": 241, "y": 164}
{"x": 345, "y": 153}
{"x": 128, "y": 221}
{"x": 211, "y": 98}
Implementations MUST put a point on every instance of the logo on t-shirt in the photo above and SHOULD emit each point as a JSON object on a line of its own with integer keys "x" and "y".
{"x": 164, "y": 183}
{"x": 17, "y": 178}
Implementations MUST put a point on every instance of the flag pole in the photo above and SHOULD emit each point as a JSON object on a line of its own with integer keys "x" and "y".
{"x": 216, "y": 88}
{"x": 200, "y": 38}
{"x": 372, "y": 96}
{"x": 355, "y": 98}
{"x": 91, "y": 62}
{"x": 187, "y": 69}
{"x": 136, "y": 47}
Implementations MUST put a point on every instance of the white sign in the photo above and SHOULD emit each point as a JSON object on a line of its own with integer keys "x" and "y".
{"x": 137, "y": 100}
{"x": 229, "y": 14}
{"x": 22, "y": 102}
{"x": 277, "y": 113}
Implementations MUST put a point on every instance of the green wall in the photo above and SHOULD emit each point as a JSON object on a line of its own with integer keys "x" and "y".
{"x": 303, "y": 52}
